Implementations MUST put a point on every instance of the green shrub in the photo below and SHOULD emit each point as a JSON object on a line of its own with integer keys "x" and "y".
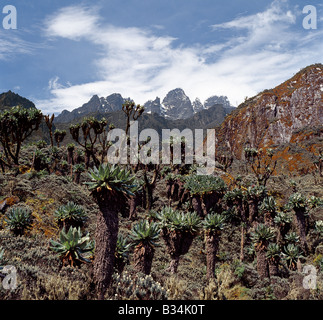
{"x": 144, "y": 232}
{"x": 122, "y": 252}
{"x": 199, "y": 184}
{"x": 18, "y": 220}
{"x": 127, "y": 287}
{"x": 70, "y": 214}
{"x": 72, "y": 247}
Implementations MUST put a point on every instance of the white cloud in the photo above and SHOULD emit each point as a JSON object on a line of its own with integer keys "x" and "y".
{"x": 53, "y": 84}
{"x": 12, "y": 44}
{"x": 138, "y": 64}
{"x": 72, "y": 22}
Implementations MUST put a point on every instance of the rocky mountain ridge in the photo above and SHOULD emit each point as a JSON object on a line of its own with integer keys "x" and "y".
{"x": 10, "y": 99}
{"x": 288, "y": 118}
{"x": 176, "y": 105}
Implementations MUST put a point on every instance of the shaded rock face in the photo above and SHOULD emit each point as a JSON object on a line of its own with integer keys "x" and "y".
{"x": 197, "y": 105}
{"x": 109, "y": 104}
{"x": 113, "y": 102}
{"x": 153, "y": 106}
{"x": 177, "y": 105}
{"x": 10, "y": 99}
{"x": 217, "y": 100}
{"x": 274, "y": 117}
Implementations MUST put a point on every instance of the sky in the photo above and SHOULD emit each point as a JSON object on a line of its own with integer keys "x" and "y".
{"x": 64, "y": 52}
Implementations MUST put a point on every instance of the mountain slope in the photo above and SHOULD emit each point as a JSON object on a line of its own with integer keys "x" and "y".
{"x": 275, "y": 117}
{"x": 10, "y": 99}
{"x": 202, "y": 120}
{"x": 176, "y": 105}
{"x": 109, "y": 104}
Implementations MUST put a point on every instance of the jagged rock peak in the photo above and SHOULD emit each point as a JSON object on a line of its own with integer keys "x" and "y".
{"x": 177, "y": 105}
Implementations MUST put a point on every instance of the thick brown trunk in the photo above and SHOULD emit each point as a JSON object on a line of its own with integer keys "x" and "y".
{"x": 70, "y": 156}
{"x": 262, "y": 263}
{"x": 211, "y": 246}
{"x": 242, "y": 242}
{"x": 282, "y": 231}
{"x": 143, "y": 258}
{"x": 105, "y": 244}
{"x": 174, "y": 264}
{"x": 87, "y": 158}
{"x": 169, "y": 192}
{"x": 174, "y": 191}
{"x": 210, "y": 201}
{"x": 273, "y": 267}
{"x": 301, "y": 226}
{"x": 77, "y": 177}
{"x": 240, "y": 209}
{"x": 253, "y": 211}
{"x": 133, "y": 207}
{"x": 178, "y": 243}
{"x": 197, "y": 205}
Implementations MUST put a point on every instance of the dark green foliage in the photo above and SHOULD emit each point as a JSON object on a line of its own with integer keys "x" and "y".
{"x": 41, "y": 144}
{"x": 179, "y": 221}
{"x": 268, "y": 205}
{"x": 297, "y": 201}
{"x": 145, "y": 233}
{"x": 16, "y": 125}
{"x": 18, "y": 220}
{"x": 78, "y": 168}
{"x": 233, "y": 195}
{"x": 292, "y": 237}
{"x": 200, "y": 184}
{"x": 59, "y": 136}
{"x": 122, "y": 252}
{"x": 112, "y": 178}
{"x": 214, "y": 223}
{"x": 72, "y": 247}
{"x": 256, "y": 192}
{"x": 291, "y": 255}
{"x": 70, "y": 214}
{"x": 262, "y": 234}
{"x": 273, "y": 251}
{"x": 319, "y": 228}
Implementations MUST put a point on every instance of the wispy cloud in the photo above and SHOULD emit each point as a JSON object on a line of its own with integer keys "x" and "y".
{"x": 12, "y": 43}
{"x": 137, "y": 63}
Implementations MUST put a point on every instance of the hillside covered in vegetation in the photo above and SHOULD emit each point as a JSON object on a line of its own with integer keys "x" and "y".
{"x": 75, "y": 227}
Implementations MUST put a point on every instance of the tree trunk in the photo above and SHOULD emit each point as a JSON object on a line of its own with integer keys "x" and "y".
{"x": 174, "y": 264}
{"x": 105, "y": 243}
{"x": 253, "y": 211}
{"x": 273, "y": 267}
{"x": 174, "y": 191}
{"x": 211, "y": 246}
{"x": 242, "y": 242}
{"x": 133, "y": 207}
{"x": 70, "y": 157}
{"x": 143, "y": 258}
{"x": 197, "y": 204}
{"x": 77, "y": 177}
{"x": 87, "y": 158}
{"x": 262, "y": 263}
{"x": 240, "y": 208}
{"x": 282, "y": 231}
{"x": 301, "y": 226}
{"x": 169, "y": 191}
{"x": 177, "y": 243}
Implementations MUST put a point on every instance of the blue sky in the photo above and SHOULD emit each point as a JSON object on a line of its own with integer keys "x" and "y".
{"x": 63, "y": 52}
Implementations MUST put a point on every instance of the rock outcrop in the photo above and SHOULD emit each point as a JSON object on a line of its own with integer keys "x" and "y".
{"x": 283, "y": 117}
